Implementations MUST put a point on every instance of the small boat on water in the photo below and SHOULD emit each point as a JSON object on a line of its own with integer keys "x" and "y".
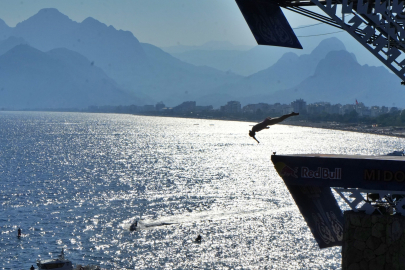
{"x": 397, "y": 153}
{"x": 61, "y": 263}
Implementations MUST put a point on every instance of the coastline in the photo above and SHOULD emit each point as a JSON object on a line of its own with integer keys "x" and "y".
{"x": 391, "y": 131}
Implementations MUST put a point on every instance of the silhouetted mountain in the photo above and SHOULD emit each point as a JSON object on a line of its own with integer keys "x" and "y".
{"x": 181, "y": 81}
{"x": 240, "y": 62}
{"x": 340, "y": 79}
{"x": 249, "y": 61}
{"x": 46, "y": 30}
{"x": 289, "y": 71}
{"x": 117, "y": 52}
{"x": 98, "y": 61}
{"x": 208, "y": 46}
{"x": 59, "y": 78}
{"x": 4, "y": 30}
{"x": 9, "y": 43}
{"x": 141, "y": 70}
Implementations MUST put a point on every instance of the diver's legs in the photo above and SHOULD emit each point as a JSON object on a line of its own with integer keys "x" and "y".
{"x": 276, "y": 120}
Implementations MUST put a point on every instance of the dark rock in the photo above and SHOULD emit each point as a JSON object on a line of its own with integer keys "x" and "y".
{"x": 368, "y": 254}
{"x": 377, "y": 263}
{"x": 381, "y": 250}
{"x": 373, "y": 242}
{"x": 355, "y": 220}
{"x": 361, "y": 234}
{"x": 354, "y": 266}
{"x": 363, "y": 265}
{"x": 366, "y": 222}
{"x": 377, "y": 229}
{"x": 360, "y": 245}
{"x": 396, "y": 230}
{"x": 353, "y": 255}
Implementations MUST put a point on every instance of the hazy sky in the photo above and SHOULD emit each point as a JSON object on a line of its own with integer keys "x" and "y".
{"x": 159, "y": 22}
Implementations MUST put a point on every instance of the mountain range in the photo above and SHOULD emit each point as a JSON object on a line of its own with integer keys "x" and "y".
{"x": 245, "y": 62}
{"x": 329, "y": 73}
{"x": 59, "y": 78}
{"x": 50, "y": 61}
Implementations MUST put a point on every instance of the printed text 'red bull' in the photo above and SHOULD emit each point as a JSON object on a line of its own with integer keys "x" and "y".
{"x": 321, "y": 173}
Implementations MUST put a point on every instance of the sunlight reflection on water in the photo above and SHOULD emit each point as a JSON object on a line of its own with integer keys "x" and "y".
{"x": 78, "y": 181}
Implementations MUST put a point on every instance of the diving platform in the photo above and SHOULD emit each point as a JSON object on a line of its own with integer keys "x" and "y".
{"x": 370, "y": 184}
{"x": 377, "y": 25}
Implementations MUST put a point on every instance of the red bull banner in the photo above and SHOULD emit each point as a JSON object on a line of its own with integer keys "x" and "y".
{"x": 366, "y": 172}
{"x": 309, "y": 179}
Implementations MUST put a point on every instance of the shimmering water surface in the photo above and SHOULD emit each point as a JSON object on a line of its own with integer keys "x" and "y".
{"x": 77, "y": 181}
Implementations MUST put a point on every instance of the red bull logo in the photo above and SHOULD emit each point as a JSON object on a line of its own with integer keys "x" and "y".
{"x": 322, "y": 173}
{"x": 286, "y": 171}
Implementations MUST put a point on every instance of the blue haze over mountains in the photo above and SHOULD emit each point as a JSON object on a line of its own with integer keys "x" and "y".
{"x": 50, "y": 61}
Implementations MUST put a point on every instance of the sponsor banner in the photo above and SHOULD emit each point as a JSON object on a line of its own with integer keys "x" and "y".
{"x": 374, "y": 173}
{"x": 268, "y": 23}
{"x": 320, "y": 210}
{"x": 310, "y": 177}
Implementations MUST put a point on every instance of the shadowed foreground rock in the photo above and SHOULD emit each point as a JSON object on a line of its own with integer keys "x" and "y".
{"x": 373, "y": 242}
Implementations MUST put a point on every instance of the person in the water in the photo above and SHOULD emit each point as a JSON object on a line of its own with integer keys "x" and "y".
{"x": 268, "y": 122}
{"x": 134, "y": 226}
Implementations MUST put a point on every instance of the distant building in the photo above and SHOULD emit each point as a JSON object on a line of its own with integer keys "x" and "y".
{"x": 287, "y": 109}
{"x": 299, "y": 106}
{"x": 375, "y": 111}
{"x": 231, "y": 107}
{"x": 348, "y": 108}
{"x": 394, "y": 110}
{"x": 187, "y": 106}
{"x": 254, "y": 108}
{"x": 203, "y": 108}
{"x": 318, "y": 108}
{"x": 335, "y": 109}
{"x": 159, "y": 106}
{"x": 277, "y": 108}
{"x": 146, "y": 108}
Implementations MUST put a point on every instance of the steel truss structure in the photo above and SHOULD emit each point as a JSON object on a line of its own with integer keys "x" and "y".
{"x": 373, "y": 201}
{"x": 377, "y": 25}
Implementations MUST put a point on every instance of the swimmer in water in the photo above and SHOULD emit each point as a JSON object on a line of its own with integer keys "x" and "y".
{"x": 268, "y": 122}
{"x": 133, "y": 226}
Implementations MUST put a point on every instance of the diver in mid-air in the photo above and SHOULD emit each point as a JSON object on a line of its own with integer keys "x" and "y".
{"x": 268, "y": 122}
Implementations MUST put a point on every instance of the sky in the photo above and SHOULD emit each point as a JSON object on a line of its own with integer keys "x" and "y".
{"x": 159, "y": 22}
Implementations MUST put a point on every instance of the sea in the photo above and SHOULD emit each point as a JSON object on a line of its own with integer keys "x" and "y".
{"x": 77, "y": 181}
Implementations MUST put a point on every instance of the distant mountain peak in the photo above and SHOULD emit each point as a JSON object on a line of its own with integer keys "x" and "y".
{"x": 326, "y": 46}
{"x": 49, "y": 14}
{"x": 336, "y": 62}
{"x": 46, "y": 18}
{"x": 3, "y": 24}
{"x": 90, "y": 21}
{"x": 49, "y": 11}
{"x": 4, "y": 30}
{"x": 23, "y": 48}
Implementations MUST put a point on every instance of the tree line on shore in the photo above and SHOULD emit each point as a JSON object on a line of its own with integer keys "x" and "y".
{"x": 390, "y": 118}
